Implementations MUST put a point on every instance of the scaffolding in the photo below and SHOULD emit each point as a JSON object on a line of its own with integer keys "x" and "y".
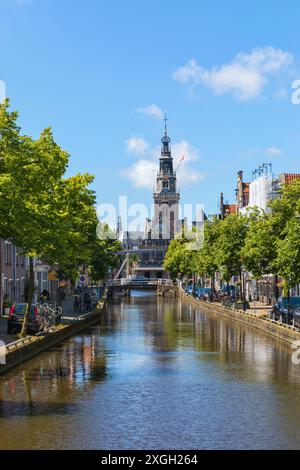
{"x": 261, "y": 188}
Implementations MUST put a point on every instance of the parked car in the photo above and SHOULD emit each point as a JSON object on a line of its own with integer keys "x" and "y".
{"x": 201, "y": 292}
{"x": 189, "y": 289}
{"x": 36, "y": 321}
{"x": 285, "y": 309}
{"x": 207, "y": 290}
{"x": 198, "y": 292}
{"x": 229, "y": 289}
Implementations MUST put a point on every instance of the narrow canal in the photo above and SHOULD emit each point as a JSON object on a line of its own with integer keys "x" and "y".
{"x": 155, "y": 374}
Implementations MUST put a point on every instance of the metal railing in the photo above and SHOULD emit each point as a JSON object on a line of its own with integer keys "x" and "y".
{"x": 132, "y": 281}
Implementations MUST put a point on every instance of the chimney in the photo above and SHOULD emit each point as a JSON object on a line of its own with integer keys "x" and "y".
{"x": 240, "y": 192}
{"x": 222, "y": 206}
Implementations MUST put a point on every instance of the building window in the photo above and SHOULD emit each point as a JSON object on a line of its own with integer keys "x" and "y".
{"x": 5, "y": 285}
{"x": 18, "y": 293}
{"x": 7, "y": 252}
{"x": 23, "y": 287}
{"x": 172, "y": 228}
{"x": 10, "y": 290}
{"x": 160, "y": 222}
{"x": 45, "y": 280}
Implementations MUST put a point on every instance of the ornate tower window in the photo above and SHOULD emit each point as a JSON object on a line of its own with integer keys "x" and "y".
{"x": 165, "y": 184}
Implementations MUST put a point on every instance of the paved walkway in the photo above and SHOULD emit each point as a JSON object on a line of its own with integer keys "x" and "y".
{"x": 68, "y": 309}
{"x": 68, "y": 306}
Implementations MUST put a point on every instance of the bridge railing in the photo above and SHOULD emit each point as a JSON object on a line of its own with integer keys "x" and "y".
{"x": 127, "y": 281}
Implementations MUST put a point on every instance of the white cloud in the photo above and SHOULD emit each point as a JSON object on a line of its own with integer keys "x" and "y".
{"x": 137, "y": 146}
{"x": 186, "y": 174}
{"x": 152, "y": 110}
{"x": 245, "y": 76}
{"x": 143, "y": 172}
{"x": 184, "y": 148}
{"x": 274, "y": 151}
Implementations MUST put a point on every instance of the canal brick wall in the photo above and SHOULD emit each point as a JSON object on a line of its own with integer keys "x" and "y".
{"x": 280, "y": 331}
{"x": 23, "y": 350}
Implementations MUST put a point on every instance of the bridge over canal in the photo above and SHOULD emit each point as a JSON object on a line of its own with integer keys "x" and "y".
{"x": 125, "y": 285}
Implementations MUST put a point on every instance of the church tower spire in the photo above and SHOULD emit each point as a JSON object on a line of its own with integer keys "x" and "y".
{"x": 165, "y": 150}
{"x": 166, "y": 177}
{"x": 166, "y": 197}
{"x": 166, "y": 120}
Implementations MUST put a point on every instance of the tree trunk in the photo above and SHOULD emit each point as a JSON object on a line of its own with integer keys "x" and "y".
{"x": 194, "y": 282}
{"x": 241, "y": 287}
{"x": 276, "y": 290}
{"x": 212, "y": 287}
{"x": 23, "y": 333}
{"x": 289, "y": 306}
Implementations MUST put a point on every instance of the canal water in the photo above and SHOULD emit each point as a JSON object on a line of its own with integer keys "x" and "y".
{"x": 155, "y": 374}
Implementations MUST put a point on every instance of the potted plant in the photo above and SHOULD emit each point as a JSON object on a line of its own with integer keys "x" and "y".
{"x": 6, "y": 304}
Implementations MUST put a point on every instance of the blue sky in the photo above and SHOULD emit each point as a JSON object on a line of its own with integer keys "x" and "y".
{"x": 101, "y": 72}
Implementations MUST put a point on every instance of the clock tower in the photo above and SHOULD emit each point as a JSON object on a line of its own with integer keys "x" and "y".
{"x": 166, "y": 197}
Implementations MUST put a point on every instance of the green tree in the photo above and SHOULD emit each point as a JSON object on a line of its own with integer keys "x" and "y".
{"x": 285, "y": 208}
{"x": 48, "y": 216}
{"x": 288, "y": 255}
{"x": 206, "y": 258}
{"x": 228, "y": 248}
{"x": 104, "y": 257}
{"x": 284, "y": 222}
{"x": 173, "y": 261}
{"x": 259, "y": 252}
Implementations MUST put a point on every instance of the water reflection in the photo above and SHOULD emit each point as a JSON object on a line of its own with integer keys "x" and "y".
{"x": 157, "y": 373}
{"x": 44, "y": 385}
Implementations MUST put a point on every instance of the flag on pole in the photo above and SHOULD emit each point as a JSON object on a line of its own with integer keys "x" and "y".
{"x": 181, "y": 160}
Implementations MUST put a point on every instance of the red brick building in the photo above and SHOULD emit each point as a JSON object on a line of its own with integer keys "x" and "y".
{"x": 242, "y": 198}
{"x": 13, "y": 273}
{"x": 226, "y": 209}
{"x": 287, "y": 178}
